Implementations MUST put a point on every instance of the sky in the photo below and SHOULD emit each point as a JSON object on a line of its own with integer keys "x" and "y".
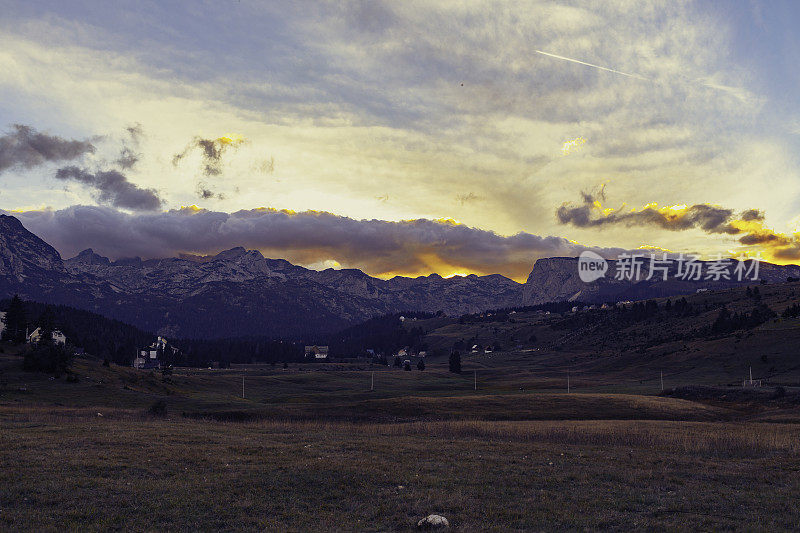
{"x": 403, "y": 137}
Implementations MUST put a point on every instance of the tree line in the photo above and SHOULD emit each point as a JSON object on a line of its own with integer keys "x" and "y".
{"x": 118, "y": 342}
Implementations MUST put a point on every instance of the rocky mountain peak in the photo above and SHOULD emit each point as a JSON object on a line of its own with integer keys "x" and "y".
{"x": 557, "y": 279}
{"x": 88, "y": 257}
{"x": 22, "y": 253}
{"x": 231, "y": 255}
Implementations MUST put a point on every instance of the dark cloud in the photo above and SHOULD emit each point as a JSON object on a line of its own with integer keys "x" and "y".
{"x": 129, "y": 154}
{"x": 211, "y": 151}
{"x": 24, "y": 147}
{"x": 135, "y": 131}
{"x": 709, "y": 218}
{"x": 378, "y": 247}
{"x": 113, "y": 188}
{"x": 752, "y": 214}
{"x": 748, "y": 225}
{"x": 204, "y": 192}
{"x": 768, "y": 237}
{"x": 788, "y": 253}
{"x": 127, "y": 158}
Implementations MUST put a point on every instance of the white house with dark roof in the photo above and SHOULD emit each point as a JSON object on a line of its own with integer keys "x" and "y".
{"x": 147, "y": 358}
{"x": 316, "y": 352}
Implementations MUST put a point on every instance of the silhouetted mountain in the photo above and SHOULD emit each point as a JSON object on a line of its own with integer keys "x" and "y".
{"x": 235, "y": 293}
{"x": 556, "y": 279}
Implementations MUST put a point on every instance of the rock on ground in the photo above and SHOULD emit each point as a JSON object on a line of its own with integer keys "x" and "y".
{"x": 433, "y": 521}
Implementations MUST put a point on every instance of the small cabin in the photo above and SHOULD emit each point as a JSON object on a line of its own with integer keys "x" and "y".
{"x": 316, "y": 352}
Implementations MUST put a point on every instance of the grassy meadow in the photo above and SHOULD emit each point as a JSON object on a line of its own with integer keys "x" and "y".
{"x": 315, "y": 449}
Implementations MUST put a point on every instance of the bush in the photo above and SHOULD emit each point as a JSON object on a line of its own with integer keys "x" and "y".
{"x": 407, "y": 367}
{"x": 421, "y": 364}
{"x": 780, "y": 392}
{"x": 51, "y": 359}
{"x": 159, "y": 408}
{"x": 455, "y": 362}
{"x": 72, "y": 378}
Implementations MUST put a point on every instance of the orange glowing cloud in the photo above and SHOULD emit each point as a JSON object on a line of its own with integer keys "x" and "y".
{"x": 748, "y": 225}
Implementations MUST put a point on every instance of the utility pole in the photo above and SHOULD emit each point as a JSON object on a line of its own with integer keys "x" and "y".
{"x": 567, "y": 382}
{"x": 372, "y": 384}
{"x": 662, "y": 381}
{"x": 475, "y": 374}
{"x": 242, "y": 385}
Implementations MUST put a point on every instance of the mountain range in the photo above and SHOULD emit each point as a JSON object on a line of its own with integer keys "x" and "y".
{"x": 240, "y": 293}
{"x": 235, "y": 293}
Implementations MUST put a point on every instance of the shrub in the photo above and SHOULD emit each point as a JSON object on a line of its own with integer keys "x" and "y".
{"x": 454, "y": 362}
{"x": 159, "y": 408}
{"x": 48, "y": 358}
{"x": 780, "y": 392}
{"x": 421, "y": 364}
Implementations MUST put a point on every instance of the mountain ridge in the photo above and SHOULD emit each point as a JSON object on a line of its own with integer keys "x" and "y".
{"x": 554, "y": 279}
{"x": 236, "y": 292}
{"x": 239, "y": 292}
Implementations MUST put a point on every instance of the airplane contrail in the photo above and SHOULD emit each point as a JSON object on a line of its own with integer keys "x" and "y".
{"x": 739, "y": 93}
{"x": 636, "y": 76}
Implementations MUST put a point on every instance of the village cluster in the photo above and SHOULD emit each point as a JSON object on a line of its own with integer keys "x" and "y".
{"x": 35, "y": 336}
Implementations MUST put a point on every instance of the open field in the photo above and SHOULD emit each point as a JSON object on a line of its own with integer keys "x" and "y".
{"x": 75, "y": 470}
{"x": 310, "y": 393}
{"x": 316, "y": 449}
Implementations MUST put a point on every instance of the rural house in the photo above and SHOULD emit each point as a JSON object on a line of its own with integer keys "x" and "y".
{"x": 56, "y": 335}
{"x": 316, "y": 352}
{"x": 151, "y": 357}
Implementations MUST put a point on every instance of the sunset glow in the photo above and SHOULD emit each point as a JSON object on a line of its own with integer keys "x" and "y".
{"x": 654, "y": 119}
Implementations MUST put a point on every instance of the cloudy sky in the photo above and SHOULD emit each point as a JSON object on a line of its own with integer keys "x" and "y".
{"x": 403, "y": 137}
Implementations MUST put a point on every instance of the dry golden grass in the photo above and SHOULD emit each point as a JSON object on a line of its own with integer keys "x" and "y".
{"x": 68, "y": 468}
{"x": 717, "y": 439}
{"x": 320, "y": 453}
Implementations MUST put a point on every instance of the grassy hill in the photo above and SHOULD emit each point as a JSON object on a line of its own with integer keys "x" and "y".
{"x": 610, "y": 349}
